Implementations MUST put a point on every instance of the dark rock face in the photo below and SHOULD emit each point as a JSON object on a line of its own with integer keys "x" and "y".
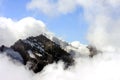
{"x": 11, "y": 53}
{"x": 93, "y": 50}
{"x": 40, "y": 51}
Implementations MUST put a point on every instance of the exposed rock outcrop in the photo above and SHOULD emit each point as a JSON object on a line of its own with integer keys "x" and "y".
{"x": 93, "y": 50}
{"x": 39, "y": 51}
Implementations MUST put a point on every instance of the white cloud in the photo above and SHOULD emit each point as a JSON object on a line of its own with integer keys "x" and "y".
{"x": 76, "y": 44}
{"x": 11, "y": 30}
{"x": 101, "y": 67}
{"x": 104, "y": 20}
{"x": 41, "y": 5}
{"x": 114, "y": 3}
{"x": 104, "y": 66}
{"x": 103, "y": 17}
{"x": 80, "y": 49}
{"x": 52, "y": 8}
{"x": 13, "y": 70}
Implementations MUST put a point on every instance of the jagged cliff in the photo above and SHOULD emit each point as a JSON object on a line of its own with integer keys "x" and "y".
{"x": 38, "y": 51}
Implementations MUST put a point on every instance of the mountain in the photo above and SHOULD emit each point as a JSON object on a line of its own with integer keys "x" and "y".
{"x": 37, "y": 52}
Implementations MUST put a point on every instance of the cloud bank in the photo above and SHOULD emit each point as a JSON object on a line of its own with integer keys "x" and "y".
{"x": 104, "y": 21}
{"x": 11, "y": 30}
{"x": 103, "y": 17}
{"x": 101, "y": 67}
{"x": 13, "y": 70}
{"x": 51, "y": 7}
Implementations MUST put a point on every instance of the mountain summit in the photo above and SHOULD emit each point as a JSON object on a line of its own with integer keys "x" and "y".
{"x": 37, "y": 52}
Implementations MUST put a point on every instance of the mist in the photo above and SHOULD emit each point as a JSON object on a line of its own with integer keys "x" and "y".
{"x": 101, "y": 67}
{"x": 13, "y": 70}
{"x": 104, "y": 33}
{"x": 12, "y": 30}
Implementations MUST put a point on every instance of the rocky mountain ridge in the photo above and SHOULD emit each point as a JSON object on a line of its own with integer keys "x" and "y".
{"x": 39, "y": 51}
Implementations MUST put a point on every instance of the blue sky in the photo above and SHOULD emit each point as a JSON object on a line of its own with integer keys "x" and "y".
{"x": 71, "y": 26}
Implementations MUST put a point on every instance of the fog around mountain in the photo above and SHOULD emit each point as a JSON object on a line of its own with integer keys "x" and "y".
{"x": 104, "y": 65}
